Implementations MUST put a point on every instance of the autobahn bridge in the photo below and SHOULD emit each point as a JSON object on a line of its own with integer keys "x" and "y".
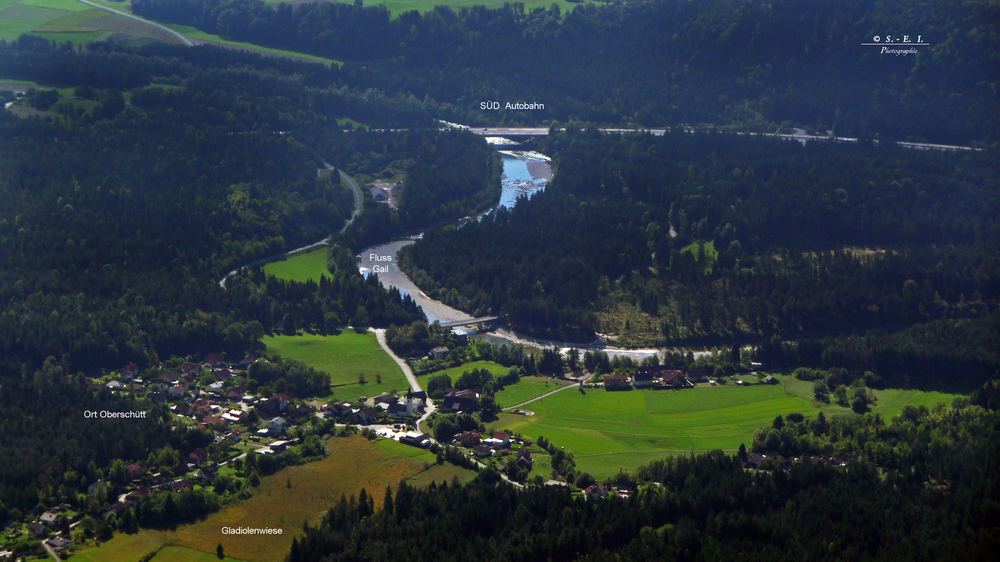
{"x": 482, "y": 324}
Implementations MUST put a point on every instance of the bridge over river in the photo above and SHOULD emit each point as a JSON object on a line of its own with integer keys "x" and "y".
{"x": 481, "y": 323}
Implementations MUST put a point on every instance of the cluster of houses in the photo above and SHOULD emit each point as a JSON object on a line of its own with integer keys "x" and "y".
{"x": 41, "y": 529}
{"x": 218, "y": 406}
{"x": 498, "y": 446}
{"x": 384, "y": 407}
{"x": 657, "y": 376}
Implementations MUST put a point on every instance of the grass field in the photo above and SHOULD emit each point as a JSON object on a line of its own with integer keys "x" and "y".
{"x": 353, "y": 464}
{"x": 439, "y": 473}
{"x": 455, "y": 372}
{"x": 608, "y": 430}
{"x": 400, "y": 450}
{"x": 181, "y": 554}
{"x": 123, "y": 548}
{"x": 309, "y": 266}
{"x": 344, "y": 357}
{"x": 69, "y": 20}
{"x": 526, "y": 389}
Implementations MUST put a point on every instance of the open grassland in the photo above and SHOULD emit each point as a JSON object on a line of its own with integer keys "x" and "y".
{"x": 442, "y": 473}
{"x": 344, "y": 357}
{"x": 455, "y": 372}
{"x": 600, "y": 421}
{"x": 309, "y": 266}
{"x": 79, "y": 23}
{"x": 19, "y": 17}
{"x": 394, "y": 447}
{"x": 889, "y": 402}
{"x": 606, "y": 465}
{"x": 181, "y": 554}
{"x": 354, "y": 463}
{"x": 526, "y": 389}
{"x": 608, "y": 430}
{"x": 123, "y": 548}
{"x": 200, "y": 37}
{"x": 433, "y": 472}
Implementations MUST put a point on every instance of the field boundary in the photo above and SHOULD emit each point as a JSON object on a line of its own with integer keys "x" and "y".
{"x": 571, "y": 385}
{"x": 137, "y": 18}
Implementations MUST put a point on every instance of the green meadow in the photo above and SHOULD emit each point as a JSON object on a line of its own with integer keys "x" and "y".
{"x": 439, "y": 473}
{"x": 344, "y": 357}
{"x": 71, "y": 21}
{"x": 526, "y": 389}
{"x": 455, "y": 372}
{"x": 607, "y": 430}
{"x": 309, "y": 266}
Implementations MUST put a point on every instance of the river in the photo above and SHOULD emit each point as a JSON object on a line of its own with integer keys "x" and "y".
{"x": 524, "y": 174}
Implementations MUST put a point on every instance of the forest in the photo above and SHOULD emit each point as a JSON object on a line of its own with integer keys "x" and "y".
{"x": 925, "y": 486}
{"x": 119, "y": 222}
{"x": 715, "y": 237}
{"x": 448, "y": 174}
{"x": 748, "y": 64}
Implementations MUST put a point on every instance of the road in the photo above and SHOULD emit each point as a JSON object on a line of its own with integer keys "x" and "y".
{"x": 358, "y": 205}
{"x": 145, "y": 21}
{"x": 414, "y": 383}
{"x": 799, "y": 135}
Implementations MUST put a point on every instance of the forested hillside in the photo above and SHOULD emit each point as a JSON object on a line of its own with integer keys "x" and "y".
{"x": 123, "y": 209}
{"x": 745, "y": 63}
{"x": 448, "y": 174}
{"x": 924, "y": 488}
{"x": 709, "y": 236}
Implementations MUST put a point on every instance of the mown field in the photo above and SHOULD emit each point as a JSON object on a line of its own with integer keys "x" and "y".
{"x": 344, "y": 357}
{"x": 354, "y": 463}
{"x": 181, "y": 554}
{"x": 608, "y": 430}
{"x": 439, "y": 473}
{"x": 309, "y": 266}
{"x": 455, "y": 372}
{"x": 526, "y": 389}
{"x": 69, "y": 20}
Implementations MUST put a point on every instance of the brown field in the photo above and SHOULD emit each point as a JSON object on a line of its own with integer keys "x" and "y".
{"x": 353, "y": 464}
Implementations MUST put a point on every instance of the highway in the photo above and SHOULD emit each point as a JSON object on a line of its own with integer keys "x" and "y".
{"x": 799, "y": 135}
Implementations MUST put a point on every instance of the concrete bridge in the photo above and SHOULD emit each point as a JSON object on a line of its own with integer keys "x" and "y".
{"x": 481, "y": 323}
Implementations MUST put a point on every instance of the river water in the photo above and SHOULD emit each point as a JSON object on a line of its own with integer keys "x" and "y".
{"x": 517, "y": 182}
{"x": 524, "y": 174}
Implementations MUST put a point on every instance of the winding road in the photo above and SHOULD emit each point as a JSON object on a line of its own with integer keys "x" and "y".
{"x": 358, "y": 204}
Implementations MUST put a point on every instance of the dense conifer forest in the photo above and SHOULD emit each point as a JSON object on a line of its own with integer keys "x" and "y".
{"x": 746, "y": 63}
{"x": 723, "y": 236}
